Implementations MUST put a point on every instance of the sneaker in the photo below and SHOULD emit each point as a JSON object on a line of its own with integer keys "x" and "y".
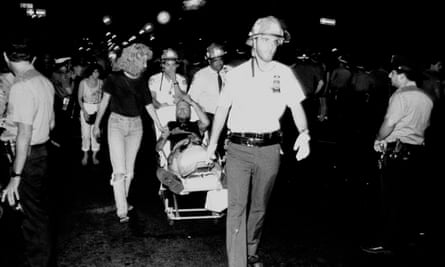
{"x": 377, "y": 250}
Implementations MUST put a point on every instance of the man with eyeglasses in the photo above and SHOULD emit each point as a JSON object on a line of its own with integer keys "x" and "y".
{"x": 255, "y": 96}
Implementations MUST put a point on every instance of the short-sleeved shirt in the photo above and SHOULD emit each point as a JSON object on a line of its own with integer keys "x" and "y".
{"x": 164, "y": 89}
{"x": 31, "y": 101}
{"x": 205, "y": 89}
{"x": 409, "y": 109}
{"x": 258, "y": 99}
{"x": 128, "y": 96}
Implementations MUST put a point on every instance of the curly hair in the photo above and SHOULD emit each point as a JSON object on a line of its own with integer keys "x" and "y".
{"x": 132, "y": 58}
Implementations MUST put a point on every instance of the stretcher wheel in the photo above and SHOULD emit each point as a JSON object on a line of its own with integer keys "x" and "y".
{"x": 171, "y": 222}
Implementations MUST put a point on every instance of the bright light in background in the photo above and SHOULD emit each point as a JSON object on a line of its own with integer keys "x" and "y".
{"x": 163, "y": 17}
{"x": 328, "y": 21}
{"x": 27, "y": 5}
{"x": 131, "y": 38}
{"x": 106, "y": 20}
{"x": 40, "y": 13}
{"x": 193, "y": 4}
{"x": 148, "y": 27}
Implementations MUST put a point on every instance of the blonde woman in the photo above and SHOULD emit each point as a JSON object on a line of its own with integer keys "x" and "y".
{"x": 127, "y": 95}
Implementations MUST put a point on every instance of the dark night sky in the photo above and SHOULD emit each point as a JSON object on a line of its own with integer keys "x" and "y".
{"x": 362, "y": 25}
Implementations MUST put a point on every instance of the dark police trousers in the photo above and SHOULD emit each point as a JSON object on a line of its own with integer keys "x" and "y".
{"x": 33, "y": 198}
{"x": 401, "y": 183}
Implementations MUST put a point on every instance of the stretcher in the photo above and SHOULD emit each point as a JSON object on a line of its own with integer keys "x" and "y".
{"x": 199, "y": 177}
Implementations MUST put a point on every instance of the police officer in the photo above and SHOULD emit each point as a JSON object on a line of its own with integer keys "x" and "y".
{"x": 255, "y": 96}
{"x": 30, "y": 108}
{"x": 401, "y": 140}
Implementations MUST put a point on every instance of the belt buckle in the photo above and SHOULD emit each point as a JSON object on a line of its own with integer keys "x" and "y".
{"x": 250, "y": 142}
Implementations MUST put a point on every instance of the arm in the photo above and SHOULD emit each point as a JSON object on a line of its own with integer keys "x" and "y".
{"x": 102, "y": 107}
{"x": 156, "y": 103}
{"x": 179, "y": 93}
{"x": 154, "y": 116}
{"x": 203, "y": 119}
{"x": 218, "y": 123}
{"x": 385, "y": 130}
{"x": 162, "y": 140}
{"x": 319, "y": 87}
{"x": 23, "y": 142}
{"x": 80, "y": 96}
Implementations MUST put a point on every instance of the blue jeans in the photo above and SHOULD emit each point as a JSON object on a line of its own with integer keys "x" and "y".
{"x": 124, "y": 140}
{"x": 248, "y": 169}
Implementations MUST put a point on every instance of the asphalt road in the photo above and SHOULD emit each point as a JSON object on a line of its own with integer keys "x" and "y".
{"x": 321, "y": 212}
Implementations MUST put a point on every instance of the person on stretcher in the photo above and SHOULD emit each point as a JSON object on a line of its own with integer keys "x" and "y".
{"x": 185, "y": 137}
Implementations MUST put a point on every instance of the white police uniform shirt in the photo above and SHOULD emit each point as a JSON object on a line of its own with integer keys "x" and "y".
{"x": 258, "y": 101}
{"x": 164, "y": 89}
{"x": 31, "y": 101}
{"x": 205, "y": 89}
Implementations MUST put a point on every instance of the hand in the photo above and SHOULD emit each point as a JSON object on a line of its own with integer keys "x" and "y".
{"x": 11, "y": 191}
{"x": 85, "y": 115}
{"x": 302, "y": 146}
{"x": 164, "y": 130}
{"x": 96, "y": 131}
{"x": 187, "y": 98}
{"x": 380, "y": 145}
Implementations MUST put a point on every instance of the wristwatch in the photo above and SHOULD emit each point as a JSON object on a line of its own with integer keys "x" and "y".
{"x": 15, "y": 174}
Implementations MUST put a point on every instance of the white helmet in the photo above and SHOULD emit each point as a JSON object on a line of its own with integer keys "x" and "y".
{"x": 268, "y": 26}
{"x": 214, "y": 51}
{"x": 169, "y": 54}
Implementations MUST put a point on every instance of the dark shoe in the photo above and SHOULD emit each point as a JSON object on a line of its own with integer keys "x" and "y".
{"x": 377, "y": 250}
{"x": 254, "y": 261}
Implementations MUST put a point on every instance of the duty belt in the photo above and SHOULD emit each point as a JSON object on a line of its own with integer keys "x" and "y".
{"x": 256, "y": 139}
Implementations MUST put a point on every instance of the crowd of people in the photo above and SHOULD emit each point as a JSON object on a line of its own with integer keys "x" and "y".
{"x": 395, "y": 104}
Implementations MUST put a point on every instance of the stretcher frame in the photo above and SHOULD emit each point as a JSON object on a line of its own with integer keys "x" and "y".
{"x": 169, "y": 198}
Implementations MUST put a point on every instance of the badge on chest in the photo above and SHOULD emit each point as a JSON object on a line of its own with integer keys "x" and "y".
{"x": 276, "y": 84}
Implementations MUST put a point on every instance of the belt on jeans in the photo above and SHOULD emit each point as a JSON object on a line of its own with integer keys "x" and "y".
{"x": 39, "y": 145}
{"x": 256, "y": 139}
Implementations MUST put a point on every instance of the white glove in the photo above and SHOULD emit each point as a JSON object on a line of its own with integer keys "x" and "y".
{"x": 302, "y": 145}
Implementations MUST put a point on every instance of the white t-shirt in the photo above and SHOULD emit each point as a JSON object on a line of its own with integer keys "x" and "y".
{"x": 162, "y": 88}
{"x": 258, "y": 99}
{"x": 31, "y": 101}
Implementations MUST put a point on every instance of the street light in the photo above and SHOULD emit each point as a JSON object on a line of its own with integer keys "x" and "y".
{"x": 106, "y": 20}
{"x": 148, "y": 27}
